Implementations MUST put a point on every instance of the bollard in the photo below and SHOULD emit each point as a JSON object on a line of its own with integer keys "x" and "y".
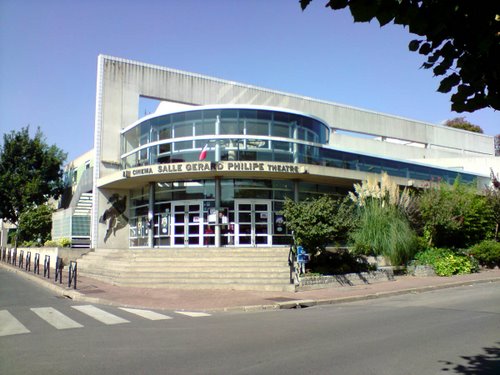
{"x": 59, "y": 267}
{"x": 46, "y": 266}
{"x": 21, "y": 259}
{"x": 36, "y": 264}
{"x": 72, "y": 274}
{"x": 14, "y": 257}
{"x": 9, "y": 256}
{"x": 4, "y": 253}
{"x": 28, "y": 261}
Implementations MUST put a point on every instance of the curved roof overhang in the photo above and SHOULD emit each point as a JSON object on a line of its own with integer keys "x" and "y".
{"x": 135, "y": 177}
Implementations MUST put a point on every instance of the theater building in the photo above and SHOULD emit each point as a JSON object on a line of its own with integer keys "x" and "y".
{"x": 211, "y": 167}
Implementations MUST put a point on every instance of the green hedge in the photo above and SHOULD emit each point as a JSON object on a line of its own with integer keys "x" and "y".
{"x": 446, "y": 262}
{"x": 487, "y": 253}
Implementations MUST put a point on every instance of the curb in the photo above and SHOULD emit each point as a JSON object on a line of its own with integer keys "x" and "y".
{"x": 295, "y": 304}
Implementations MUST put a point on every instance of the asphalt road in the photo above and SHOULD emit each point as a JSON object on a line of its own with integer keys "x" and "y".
{"x": 450, "y": 331}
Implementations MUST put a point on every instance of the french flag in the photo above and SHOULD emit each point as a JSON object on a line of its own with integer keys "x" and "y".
{"x": 203, "y": 153}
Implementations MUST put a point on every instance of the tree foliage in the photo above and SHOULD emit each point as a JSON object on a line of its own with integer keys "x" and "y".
{"x": 30, "y": 173}
{"x": 497, "y": 145}
{"x": 35, "y": 224}
{"x": 455, "y": 215}
{"x": 460, "y": 39}
{"x": 462, "y": 123}
{"x": 318, "y": 222}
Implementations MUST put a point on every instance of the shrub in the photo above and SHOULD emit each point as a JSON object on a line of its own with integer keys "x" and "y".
{"x": 384, "y": 230}
{"x": 446, "y": 262}
{"x": 65, "y": 242}
{"x": 487, "y": 253}
{"x": 62, "y": 242}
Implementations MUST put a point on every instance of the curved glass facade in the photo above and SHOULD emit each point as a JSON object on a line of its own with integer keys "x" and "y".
{"x": 255, "y": 135}
{"x": 240, "y": 134}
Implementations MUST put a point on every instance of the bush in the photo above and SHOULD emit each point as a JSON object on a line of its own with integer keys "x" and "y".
{"x": 65, "y": 242}
{"x": 487, "y": 253}
{"x": 446, "y": 262}
{"x": 62, "y": 242}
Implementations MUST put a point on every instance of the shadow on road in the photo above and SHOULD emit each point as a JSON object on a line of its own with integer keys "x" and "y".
{"x": 487, "y": 363}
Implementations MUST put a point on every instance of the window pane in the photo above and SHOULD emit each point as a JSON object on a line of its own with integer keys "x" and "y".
{"x": 257, "y": 128}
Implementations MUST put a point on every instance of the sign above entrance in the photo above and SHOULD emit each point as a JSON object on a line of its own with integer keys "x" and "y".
{"x": 223, "y": 166}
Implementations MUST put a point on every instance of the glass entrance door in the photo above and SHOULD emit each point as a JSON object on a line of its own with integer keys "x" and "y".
{"x": 253, "y": 223}
{"x": 187, "y": 223}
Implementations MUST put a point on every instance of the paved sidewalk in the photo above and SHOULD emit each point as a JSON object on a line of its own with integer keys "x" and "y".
{"x": 95, "y": 291}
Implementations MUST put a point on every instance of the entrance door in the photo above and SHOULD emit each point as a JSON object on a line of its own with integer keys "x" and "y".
{"x": 253, "y": 223}
{"x": 187, "y": 223}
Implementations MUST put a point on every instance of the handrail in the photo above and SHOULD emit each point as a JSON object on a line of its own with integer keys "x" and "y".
{"x": 21, "y": 259}
{"x": 46, "y": 266}
{"x": 72, "y": 274}
{"x": 36, "y": 264}
{"x": 59, "y": 268}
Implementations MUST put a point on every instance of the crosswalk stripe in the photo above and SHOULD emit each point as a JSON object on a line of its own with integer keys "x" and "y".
{"x": 55, "y": 318}
{"x": 10, "y": 325}
{"x": 100, "y": 315}
{"x": 151, "y": 315}
{"x": 192, "y": 314}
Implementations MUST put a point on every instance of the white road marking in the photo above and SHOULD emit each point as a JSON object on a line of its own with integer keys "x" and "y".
{"x": 100, "y": 315}
{"x": 10, "y": 325}
{"x": 55, "y": 318}
{"x": 147, "y": 314}
{"x": 192, "y": 314}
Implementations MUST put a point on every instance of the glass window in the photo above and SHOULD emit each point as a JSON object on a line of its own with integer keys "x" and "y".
{"x": 280, "y": 130}
{"x": 183, "y": 130}
{"x": 165, "y": 147}
{"x": 284, "y": 146}
{"x": 257, "y": 127}
{"x": 165, "y": 132}
{"x": 231, "y": 127}
{"x": 185, "y": 145}
{"x": 206, "y": 127}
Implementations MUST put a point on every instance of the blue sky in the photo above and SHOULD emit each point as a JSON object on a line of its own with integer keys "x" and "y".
{"x": 49, "y": 49}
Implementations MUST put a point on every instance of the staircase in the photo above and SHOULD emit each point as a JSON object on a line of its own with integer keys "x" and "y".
{"x": 261, "y": 269}
{"x": 84, "y": 205}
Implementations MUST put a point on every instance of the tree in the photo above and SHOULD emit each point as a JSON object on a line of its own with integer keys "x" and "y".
{"x": 30, "y": 173}
{"x": 462, "y": 123}
{"x": 460, "y": 39}
{"x": 35, "y": 224}
{"x": 318, "y": 222}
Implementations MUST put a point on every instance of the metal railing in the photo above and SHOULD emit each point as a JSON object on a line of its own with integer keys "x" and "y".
{"x": 72, "y": 272}
{"x": 24, "y": 262}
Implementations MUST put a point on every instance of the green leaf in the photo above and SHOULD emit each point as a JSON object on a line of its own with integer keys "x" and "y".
{"x": 448, "y": 83}
{"x": 425, "y": 49}
{"x": 440, "y": 70}
{"x": 414, "y": 44}
{"x": 363, "y": 12}
{"x": 304, "y": 3}
{"x": 337, "y": 4}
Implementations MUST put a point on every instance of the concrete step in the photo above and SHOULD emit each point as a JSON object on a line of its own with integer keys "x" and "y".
{"x": 193, "y": 268}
